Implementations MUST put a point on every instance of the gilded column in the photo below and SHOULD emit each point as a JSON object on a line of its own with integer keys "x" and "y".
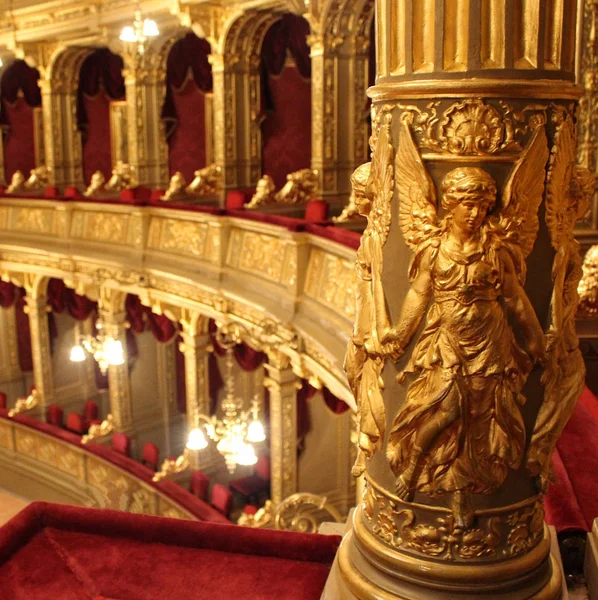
{"x": 228, "y": 140}
{"x": 282, "y": 384}
{"x": 144, "y": 83}
{"x": 10, "y": 370}
{"x": 464, "y": 360}
{"x": 196, "y": 349}
{"x": 37, "y": 309}
{"x": 119, "y": 387}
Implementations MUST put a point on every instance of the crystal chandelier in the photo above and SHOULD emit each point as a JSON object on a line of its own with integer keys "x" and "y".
{"x": 105, "y": 349}
{"x": 140, "y": 31}
{"x": 235, "y": 433}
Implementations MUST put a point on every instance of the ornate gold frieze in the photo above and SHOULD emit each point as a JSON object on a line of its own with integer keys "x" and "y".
{"x": 105, "y": 227}
{"x": 331, "y": 280}
{"x": 417, "y": 529}
{"x": 258, "y": 253}
{"x": 35, "y": 220}
{"x": 179, "y": 237}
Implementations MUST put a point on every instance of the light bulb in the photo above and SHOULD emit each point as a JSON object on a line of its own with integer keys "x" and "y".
{"x": 128, "y": 34}
{"x": 255, "y": 432}
{"x": 77, "y": 354}
{"x": 246, "y": 456}
{"x": 113, "y": 350}
{"x": 150, "y": 29}
{"x": 197, "y": 440}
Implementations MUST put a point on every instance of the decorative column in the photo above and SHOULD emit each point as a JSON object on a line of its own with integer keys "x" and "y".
{"x": 37, "y": 309}
{"x": 228, "y": 138}
{"x": 464, "y": 360}
{"x": 145, "y": 77}
{"x": 119, "y": 387}
{"x": 587, "y": 151}
{"x": 282, "y": 384}
{"x": 168, "y": 388}
{"x": 10, "y": 370}
{"x": 339, "y": 59}
{"x": 196, "y": 349}
{"x": 62, "y": 139}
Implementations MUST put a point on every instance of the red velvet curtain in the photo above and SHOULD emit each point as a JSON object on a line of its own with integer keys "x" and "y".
{"x": 8, "y": 294}
{"x": 187, "y": 143}
{"x": 100, "y": 80}
{"x": 19, "y": 93}
{"x": 188, "y": 78}
{"x": 336, "y": 405}
{"x": 62, "y": 298}
{"x": 286, "y": 99}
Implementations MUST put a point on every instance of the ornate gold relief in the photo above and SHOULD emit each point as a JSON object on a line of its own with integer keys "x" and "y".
{"x": 184, "y": 237}
{"x": 258, "y": 253}
{"x": 301, "y": 187}
{"x": 588, "y": 285}
{"x": 39, "y": 178}
{"x": 35, "y": 220}
{"x": 460, "y": 429}
{"x": 96, "y": 185}
{"x": 17, "y": 183}
{"x": 373, "y": 187}
{"x": 207, "y": 181}
{"x": 414, "y": 528}
{"x": 569, "y": 190}
{"x": 473, "y": 127}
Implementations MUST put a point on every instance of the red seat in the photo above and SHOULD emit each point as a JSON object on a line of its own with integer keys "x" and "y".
{"x": 90, "y": 411}
{"x": 2, "y": 399}
{"x": 55, "y": 415}
{"x": 76, "y": 423}
{"x": 121, "y": 442}
{"x": 254, "y": 485}
{"x": 150, "y": 455}
{"x": 221, "y": 499}
{"x": 200, "y": 484}
{"x": 236, "y": 199}
{"x": 316, "y": 211}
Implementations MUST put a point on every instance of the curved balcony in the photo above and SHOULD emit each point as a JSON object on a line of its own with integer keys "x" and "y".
{"x": 55, "y": 463}
{"x": 288, "y": 283}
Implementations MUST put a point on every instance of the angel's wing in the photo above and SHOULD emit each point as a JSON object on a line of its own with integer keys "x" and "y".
{"x": 382, "y": 177}
{"x": 418, "y": 217}
{"x": 523, "y": 193}
{"x": 562, "y": 162}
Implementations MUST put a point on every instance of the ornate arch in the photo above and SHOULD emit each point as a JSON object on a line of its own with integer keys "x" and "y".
{"x": 59, "y": 84}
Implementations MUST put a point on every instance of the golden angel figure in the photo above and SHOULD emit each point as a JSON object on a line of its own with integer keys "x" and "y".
{"x": 373, "y": 188}
{"x": 460, "y": 429}
{"x": 569, "y": 191}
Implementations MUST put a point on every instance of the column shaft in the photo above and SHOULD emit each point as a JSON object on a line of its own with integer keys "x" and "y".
{"x": 282, "y": 384}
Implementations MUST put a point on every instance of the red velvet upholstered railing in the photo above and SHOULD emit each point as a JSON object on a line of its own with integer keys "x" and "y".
{"x": 178, "y": 494}
{"x": 69, "y": 553}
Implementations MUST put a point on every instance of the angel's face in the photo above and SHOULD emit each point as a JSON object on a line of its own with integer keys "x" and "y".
{"x": 469, "y": 214}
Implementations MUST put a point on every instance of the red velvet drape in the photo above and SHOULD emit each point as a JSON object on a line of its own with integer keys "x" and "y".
{"x": 19, "y": 94}
{"x": 100, "y": 80}
{"x": 187, "y": 144}
{"x": 62, "y": 298}
{"x": 188, "y": 79}
{"x": 11, "y": 295}
{"x": 286, "y": 99}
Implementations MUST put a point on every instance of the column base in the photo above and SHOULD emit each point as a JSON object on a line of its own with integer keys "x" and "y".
{"x": 353, "y": 577}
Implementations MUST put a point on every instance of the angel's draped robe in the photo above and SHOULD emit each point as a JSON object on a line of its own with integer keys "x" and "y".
{"x": 469, "y": 366}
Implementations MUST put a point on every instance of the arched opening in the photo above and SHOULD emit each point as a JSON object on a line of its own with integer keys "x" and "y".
{"x": 100, "y": 83}
{"x": 186, "y": 111}
{"x": 20, "y": 119}
{"x": 285, "y": 71}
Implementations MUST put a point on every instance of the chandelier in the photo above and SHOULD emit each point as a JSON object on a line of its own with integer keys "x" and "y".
{"x": 105, "y": 349}
{"x": 140, "y": 31}
{"x": 238, "y": 430}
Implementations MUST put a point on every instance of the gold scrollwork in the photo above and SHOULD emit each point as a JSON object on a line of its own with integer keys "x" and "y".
{"x": 301, "y": 187}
